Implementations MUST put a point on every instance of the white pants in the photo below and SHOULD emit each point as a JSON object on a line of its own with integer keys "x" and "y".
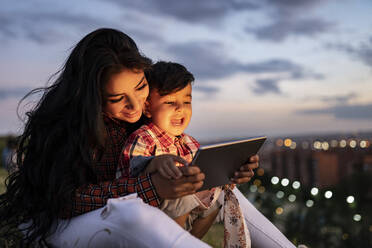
{"x": 132, "y": 223}
{"x": 125, "y": 223}
{"x": 263, "y": 233}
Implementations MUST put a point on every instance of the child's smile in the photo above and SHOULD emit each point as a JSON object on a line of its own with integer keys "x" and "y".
{"x": 172, "y": 112}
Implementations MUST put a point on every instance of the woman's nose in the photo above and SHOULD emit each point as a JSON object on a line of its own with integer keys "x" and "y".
{"x": 133, "y": 103}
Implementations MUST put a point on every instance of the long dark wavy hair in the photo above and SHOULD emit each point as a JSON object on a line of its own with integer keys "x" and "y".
{"x": 61, "y": 134}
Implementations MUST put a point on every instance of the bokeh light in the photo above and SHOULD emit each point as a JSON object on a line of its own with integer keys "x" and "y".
{"x": 275, "y": 180}
{"x": 357, "y": 217}
{"x": 279, "y": 210}
{"x": 280, "y": 194}
{"x": 285, "y": 182}
{"x": 296, "y": 184}
{"x": 309, "y": 203}
{"x": 314, "y": 191}
{"x": 350, "y": 199}
{"x": 291, "y": 198}
{"x": 328, "y": 194}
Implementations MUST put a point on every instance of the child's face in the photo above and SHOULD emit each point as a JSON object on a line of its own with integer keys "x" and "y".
{"x": 172, "y": 112}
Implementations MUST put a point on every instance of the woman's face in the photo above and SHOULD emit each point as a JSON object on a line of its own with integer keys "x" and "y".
{"x": 125, "y": 95}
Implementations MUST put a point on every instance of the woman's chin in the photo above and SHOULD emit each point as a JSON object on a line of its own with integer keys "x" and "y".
{"x": 130, "y": 119}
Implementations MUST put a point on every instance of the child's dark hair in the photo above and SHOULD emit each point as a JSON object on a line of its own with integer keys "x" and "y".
{"x": 168, "y": 77}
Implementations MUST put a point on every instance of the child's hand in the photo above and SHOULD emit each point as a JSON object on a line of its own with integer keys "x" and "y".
{"x": 166, "y": 166}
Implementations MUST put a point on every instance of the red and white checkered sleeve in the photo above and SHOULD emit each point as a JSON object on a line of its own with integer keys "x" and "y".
{"x": 135, "y": 155}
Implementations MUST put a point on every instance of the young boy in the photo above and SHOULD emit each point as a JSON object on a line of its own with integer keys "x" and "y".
{"x": 169, "y": 111}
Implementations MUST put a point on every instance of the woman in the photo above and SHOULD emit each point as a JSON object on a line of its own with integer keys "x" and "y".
{"x": 65, "y": 192}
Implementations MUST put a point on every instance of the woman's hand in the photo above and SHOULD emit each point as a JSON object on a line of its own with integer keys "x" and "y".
{"x": 189, "y": 183}
{"x": 245, "y": 173}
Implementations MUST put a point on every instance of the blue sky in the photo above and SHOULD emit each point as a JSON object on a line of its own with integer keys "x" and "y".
{"x": 269, "y": 67}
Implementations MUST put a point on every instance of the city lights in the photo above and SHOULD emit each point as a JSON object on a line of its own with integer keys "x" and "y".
{"x": 291, "y": 198}
{"x": 363, "y": 144}
{"x": 343, "y": 143}
{"x": 287, "y": 142}
{"x": 261, "y": 189}
{"x": 280, "y": 194}
{"x": 257, "y": 182}
{"x": 309, "y": 203}
{"x": 352, "y": 143}
{"x": 285, "y": 182}
{"x": 296, "y": 184}
{"x": 279, "y": 142}
{"x": 357, "y": 217}
{"x": 314, "y": 191}
{"x": 350, "y": 199}
{"x": 317, "y": 145}
{"x": 253, "y": 188}
{"x": 334, "y": 143}
{"x": 328, "y": 194}
{"x": 293, "y": 145}
{"x": 275, "y": 180}
{"x": 279, "y": 210}
{"x": 325, "y": 145}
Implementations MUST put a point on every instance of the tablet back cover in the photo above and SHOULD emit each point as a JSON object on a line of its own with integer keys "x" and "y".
{"x": 219, "y": 161}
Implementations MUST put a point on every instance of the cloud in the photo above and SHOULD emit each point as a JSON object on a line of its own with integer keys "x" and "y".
{"x": 290, "y": 18}
{"x": 343, "y": 111}
{"x": 339, "y": 99}
{"x": 44, "y": 26}
{"x": 208, "y": 60}
{"x": 191, "y": 10}
{"x": 264, "y": 86}
{"x": 209, "y": 90}
{"x": 282, "y": 28}
{"x": 363, "y": 52}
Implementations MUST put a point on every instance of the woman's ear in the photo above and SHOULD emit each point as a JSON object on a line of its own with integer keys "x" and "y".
{"x": 146, "y": 110}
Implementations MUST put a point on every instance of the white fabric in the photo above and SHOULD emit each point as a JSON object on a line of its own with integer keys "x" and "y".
{"x": 132, "y": 223}
{"x": 124, "y": 222}
{"x": 263, "y": 233}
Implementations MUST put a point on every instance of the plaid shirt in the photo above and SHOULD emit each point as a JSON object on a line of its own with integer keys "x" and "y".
{"x": 149, "y": 140}
{"x": 93, "y": 196}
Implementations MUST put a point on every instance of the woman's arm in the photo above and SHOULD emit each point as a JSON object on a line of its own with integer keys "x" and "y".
{"x": 93, "y": 196}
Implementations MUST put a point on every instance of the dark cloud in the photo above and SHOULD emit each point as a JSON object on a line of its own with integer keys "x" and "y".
{"x": 208, "y": 60}
{"x": 363, "y": 52}
{"x": 340, "y": 99}
{"x": 209, "y": 90}
{"x": 191, "y": 10}
{"x": 46, "y": 27}
{"x": 280, "y": 29}
{"x": 15, "y": 92}
{"x": 291, "y": 18}
{"x": 43, "y": 26}
{"x": 343, "y": 111}
{"x": 264, "y": 86}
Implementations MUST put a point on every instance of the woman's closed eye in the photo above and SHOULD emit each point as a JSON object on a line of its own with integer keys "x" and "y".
{"x": 116, "y": 100}
{"x": 142, "y": 87}
{"x": 170, "y": 102}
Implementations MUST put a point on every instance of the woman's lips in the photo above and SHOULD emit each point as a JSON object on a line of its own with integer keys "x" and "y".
{"x": 131, "y": 115}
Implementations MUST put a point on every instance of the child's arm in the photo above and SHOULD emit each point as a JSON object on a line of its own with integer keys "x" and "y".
{"x": 166, "y": 165}
{"x": 135, "y": 156}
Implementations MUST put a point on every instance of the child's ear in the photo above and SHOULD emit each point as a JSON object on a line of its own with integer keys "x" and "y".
{"x": 146, "y": 110}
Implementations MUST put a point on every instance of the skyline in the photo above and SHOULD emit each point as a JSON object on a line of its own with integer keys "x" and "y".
{"x": 277, "y": 67}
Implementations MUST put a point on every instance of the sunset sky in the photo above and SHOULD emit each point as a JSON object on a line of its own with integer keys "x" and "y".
{"x": 268, "y": 67}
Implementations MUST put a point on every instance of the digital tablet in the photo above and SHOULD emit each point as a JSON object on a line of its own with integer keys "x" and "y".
{"x": 220, "y": 161}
